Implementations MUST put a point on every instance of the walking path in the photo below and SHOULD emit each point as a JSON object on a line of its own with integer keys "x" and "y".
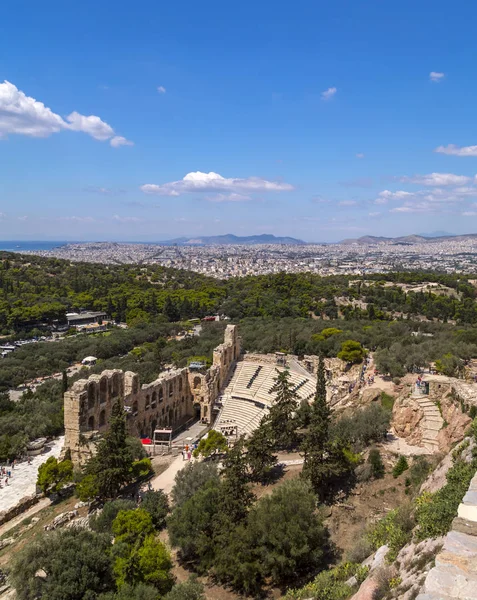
{"x": 23, "y": 480}
{"x": 165, "y": 481}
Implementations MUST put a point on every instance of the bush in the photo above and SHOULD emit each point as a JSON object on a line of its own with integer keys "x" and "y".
{"x": 213, "y": 443}
{"x": 352, "y": 351}
{"x": 394, "y": 530}
{"x": 191, "y": 479}
{"x": 156, "y": 504}
{"x": 435, "y": 512}
{"x": 331, "y": 584}
{"x": 401, "y": 466}
{"x": 376, "y": 463}
{"x": 103, "y": 522}
{"x": 363, "y": 426}
{"x": 360, "y": 551}
{"x": 387, "y": 401}
{"x": 191, "y": 589}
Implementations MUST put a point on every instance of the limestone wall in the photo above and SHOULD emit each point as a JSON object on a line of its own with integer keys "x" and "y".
{"x": 455, "y": 572}
{"x": 169, "y": 401}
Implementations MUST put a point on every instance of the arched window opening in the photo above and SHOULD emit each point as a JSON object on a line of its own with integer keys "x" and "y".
{"x": 103, "y": 390}
{"x": 102, "y": 418}
{"x": 91, "y": 395}
{"x": 91, "y": 423}
{"x": 197, "y": 382}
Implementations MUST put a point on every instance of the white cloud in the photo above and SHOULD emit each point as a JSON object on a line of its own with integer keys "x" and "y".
{"x": 360, "y": 155}
{"x": 91, "y": 125}
{"x": 329, "y": 93}
{"x": 454, "y": 150}
{"x": 374, "y": 214}
{"x": 119, "y": 140}
{"x": 436, "y": 77}
{"x": 438, "y": 179}
{"x": 347, "y": 203}
{"x": 421, "y": 207}
{"x": 76, "y": 219}
{"x": 320, "y": 200}
{"x": 469, "y": 213}
{"x": 22, "y": 115}
{"x": 161, "y": 89}
{"x": 385, "y": 196}
{"x": 126, "y": 219}
{"x": 213, "y": 182}
{"x": 232, "y": 197}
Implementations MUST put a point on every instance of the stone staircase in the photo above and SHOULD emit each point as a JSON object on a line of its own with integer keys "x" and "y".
{"x": 432, "y": 422}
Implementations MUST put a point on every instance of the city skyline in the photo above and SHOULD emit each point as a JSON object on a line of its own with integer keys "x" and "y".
{"x": 321, "y": 122}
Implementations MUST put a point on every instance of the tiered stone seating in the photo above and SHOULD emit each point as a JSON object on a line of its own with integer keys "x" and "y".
{"x": 245, "y": 414}
{"x": 251, "y": 383}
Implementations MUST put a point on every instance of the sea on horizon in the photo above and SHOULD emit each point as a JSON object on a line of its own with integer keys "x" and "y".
{"x": 24, "y": 246}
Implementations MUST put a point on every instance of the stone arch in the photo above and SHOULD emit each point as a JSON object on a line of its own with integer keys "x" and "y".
{"x": 171, "y": 389}
{"x": 103, "y": 390}
{"x": 197, "y": 382}
{"x": 116, "y": 385}
{"x": 135, "y": 385}
{"x": 135, "y": 408}
{"x": 147, "y": 405}
{"x": 102, "y": 418}
{"x": 91, "y": 423}
{"x": 161, "y": 394}
{"x": 91, "y": 395}
{"x": 154, "y": 399}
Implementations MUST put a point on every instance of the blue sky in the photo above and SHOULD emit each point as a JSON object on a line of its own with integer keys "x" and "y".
{"x": 150, "y": 120}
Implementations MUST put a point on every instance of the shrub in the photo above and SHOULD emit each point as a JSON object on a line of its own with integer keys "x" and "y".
{"x": 435, "y": 512}
{"x": 191, "y": 589}
{"x": 376, "y": 463}
{"x": 156, "y": 504}
{"x": 191, "y": 479}
{"x": 213, "y": 443}
{"x": 331, "y": 584}
{"x": 394, "y": 530}
{"x": 473, "y": 411}
{"x": 387, "y": 401}
{"x": 401, "y": 466}
{"x": 103, "y": 522}
{"x": 362, "y": 427}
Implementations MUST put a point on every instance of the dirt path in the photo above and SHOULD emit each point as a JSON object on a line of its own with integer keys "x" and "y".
{"x": 43, "y": 503}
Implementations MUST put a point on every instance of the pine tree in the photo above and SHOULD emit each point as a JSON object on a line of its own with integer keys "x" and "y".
{"x": 260, "y": 456}
{"x": 235, "y": 496}
{"x": 64, "y": 382}
{"x": 111, "y": 467}
{"x": 324, "y": 461}
{"x": 281, "y": 415}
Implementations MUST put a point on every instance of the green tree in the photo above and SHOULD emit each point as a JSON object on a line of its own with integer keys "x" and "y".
{"x": 156, "y": 504}
{"x": 192, "y": 524}
{"x": 67, "y": 564}
{"x": 325, "y": 463}
{"x": 191, "y": 479}
{"x": 64, "y": 381}
{"x": 53, "y": 475}
{"x": 260, "y": 453}
{"x": 141, "y": 591}
{"x": 191, "y": 589}
{"x": 352, "y": 351}
{"x": 112, "y": 466}
{"x": 214, "y": 442}
{"x": 103, "y": 522}
{"x": 401, "y": 466}
{"x": 376, "y": 463}
{"x": 131, "y": 525}
{"x": 281, "y": 414}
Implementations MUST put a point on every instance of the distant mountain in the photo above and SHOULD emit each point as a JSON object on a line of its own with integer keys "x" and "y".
{"x": 233, "y": 240}
{"x": 433, "y": 234}
{"x": 408, "y": 239}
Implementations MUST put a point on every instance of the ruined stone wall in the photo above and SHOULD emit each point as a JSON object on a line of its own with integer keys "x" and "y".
{"x": 169, "y": 401}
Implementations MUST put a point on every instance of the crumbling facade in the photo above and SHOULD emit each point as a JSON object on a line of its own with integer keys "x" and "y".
{"x": 174, "y": 398}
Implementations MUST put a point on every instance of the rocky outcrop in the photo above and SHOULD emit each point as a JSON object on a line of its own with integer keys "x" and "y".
{"x": 61, "y": 520}
{"x": 455, "y": 573}
{"x": 407, "y": 416}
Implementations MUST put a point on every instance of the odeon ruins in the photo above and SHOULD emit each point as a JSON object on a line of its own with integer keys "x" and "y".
{"x": 170, "y": 401}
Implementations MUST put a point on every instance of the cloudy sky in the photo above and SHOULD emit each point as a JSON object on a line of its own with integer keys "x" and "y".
{"x": 319, "y": 120}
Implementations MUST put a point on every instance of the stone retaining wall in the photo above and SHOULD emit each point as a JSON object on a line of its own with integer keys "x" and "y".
{"x": 455, "y": 573}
